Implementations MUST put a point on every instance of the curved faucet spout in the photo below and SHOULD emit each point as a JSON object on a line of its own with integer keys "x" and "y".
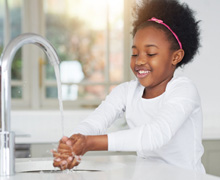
{"x": 6, "y": 61}
{"x": 7, "y": 160}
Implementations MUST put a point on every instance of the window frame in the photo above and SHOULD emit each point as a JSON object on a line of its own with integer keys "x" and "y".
{"x": 33, "y": 91}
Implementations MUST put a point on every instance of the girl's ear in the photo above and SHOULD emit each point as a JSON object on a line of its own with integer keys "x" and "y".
{"x": 178, "y": 56}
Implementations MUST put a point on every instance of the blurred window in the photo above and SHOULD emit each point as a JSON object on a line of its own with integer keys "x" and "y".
{"x": 88, "y": 37}
{"x": 15, "y": 16}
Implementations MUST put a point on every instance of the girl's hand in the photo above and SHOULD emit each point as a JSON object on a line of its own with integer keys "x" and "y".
{"x": 63, "y": 155}
{"x": 79, "y": 144}
{"x": 69, "y": 151}
{"x": 63, "y": 161}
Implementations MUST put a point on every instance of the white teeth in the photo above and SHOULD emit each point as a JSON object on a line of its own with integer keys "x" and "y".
{"x": 142, "y": 72}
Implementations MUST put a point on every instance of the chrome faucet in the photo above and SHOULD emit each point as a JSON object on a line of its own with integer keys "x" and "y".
{"x": 7, "y": 137}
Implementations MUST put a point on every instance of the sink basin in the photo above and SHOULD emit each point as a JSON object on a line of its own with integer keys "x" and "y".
{"x": 34, "y": 164}
{"x": 45, "y": 165}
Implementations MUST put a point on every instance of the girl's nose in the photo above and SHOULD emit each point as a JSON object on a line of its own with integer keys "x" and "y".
{"x": 141, "y": 60}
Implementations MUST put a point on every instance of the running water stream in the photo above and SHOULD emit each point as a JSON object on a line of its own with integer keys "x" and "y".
{"x": 59, "y": 90}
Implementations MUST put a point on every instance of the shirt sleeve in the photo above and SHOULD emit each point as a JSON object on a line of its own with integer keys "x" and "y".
{"x": 180, "y": 101}
{"x": 107, "y": 112}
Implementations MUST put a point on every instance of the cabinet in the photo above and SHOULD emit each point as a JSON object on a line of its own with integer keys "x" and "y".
{"x": 211, "y": 157}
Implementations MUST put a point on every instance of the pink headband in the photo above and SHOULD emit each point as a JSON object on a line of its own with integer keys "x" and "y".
{"x": 161, "y": 22}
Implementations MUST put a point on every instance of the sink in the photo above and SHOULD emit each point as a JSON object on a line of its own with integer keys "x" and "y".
{"x": 34, "y": 165}
{"x": 45, "y": 165}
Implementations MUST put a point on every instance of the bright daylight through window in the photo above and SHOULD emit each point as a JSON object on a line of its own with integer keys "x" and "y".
{"x": 89, "y": 39}
{"x": 15, "y": 26}
{"x": 89, "y": 42}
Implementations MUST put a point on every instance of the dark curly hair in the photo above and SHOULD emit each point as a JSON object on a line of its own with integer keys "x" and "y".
{"x": 179, "y": 17}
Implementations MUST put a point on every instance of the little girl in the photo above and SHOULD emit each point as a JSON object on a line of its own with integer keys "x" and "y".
{"x": 163, "y": 111}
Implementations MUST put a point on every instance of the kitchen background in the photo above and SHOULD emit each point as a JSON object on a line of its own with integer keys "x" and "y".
{"x": 93, "y": 41}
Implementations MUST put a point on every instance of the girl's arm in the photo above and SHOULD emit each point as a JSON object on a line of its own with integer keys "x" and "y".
{"x": 93, "y": 129}
{"x": 180, "y": 102}
{"x": 107, "y": 112}
{"x": 97, "y": 143}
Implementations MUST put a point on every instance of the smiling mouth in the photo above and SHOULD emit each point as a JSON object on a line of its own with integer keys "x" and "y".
{"x": 142, "y": 73}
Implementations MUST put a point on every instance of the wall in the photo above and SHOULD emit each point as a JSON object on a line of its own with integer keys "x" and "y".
{"x": 40, "y": 126}
{"x": 204, "y": 70}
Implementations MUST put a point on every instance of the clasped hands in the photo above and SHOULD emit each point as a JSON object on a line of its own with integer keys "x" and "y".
{"x": 69, "y": 151}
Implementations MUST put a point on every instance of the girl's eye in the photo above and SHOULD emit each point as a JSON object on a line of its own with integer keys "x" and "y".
{"x": 151, "y": 55}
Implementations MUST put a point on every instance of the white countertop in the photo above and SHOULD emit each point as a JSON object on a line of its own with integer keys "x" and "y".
{"x": 113, "y": 168}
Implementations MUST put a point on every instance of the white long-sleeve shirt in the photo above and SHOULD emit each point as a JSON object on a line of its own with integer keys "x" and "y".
{"x": 167, "y": 128}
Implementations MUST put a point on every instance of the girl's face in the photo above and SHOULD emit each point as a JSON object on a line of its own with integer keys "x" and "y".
{"x": 152, "y": 60}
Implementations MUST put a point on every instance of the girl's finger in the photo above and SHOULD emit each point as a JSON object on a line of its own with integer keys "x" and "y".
{"x": 64, "y": 156}
{"x": 64, "y": 151}
{"x": 63, "y": 146}
{"x": 70, "y": 142}
{"x": 56, "y": 163}
{"x": 69, "y": 159}
{"x": 56, "y": 154}
{"x": 64, "y": 139}
{"x": 74, "y": 163}
{"x": 57, "y": 159}
{"x": 63, "y": 165}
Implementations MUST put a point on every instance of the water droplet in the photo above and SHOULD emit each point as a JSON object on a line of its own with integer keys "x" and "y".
{"x": 74, "y": 168}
